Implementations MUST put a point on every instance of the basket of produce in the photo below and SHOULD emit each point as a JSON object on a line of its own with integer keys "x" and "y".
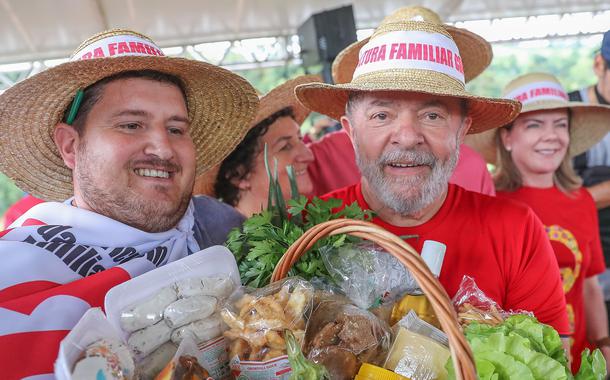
{"x": 461, "y": 354}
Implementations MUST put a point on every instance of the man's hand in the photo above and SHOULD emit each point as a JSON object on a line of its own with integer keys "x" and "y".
{"x": 601, "y": 194}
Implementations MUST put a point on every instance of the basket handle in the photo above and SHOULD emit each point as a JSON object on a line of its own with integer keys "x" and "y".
{"x": 463, "y": 360}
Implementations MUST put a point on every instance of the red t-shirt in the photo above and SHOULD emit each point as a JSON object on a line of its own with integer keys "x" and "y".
{"x": 335, "y": 166}
{"x": 499, "y": 243}
{"x": 571, "y": 226}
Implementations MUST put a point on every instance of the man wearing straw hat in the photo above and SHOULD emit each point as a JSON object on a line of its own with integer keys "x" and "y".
{"x": 407, "y": 111}
{"x": 116, "y": 137}
{"x": 335, "y": 163}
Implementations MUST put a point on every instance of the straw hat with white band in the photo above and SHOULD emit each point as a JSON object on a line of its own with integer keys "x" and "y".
{"x": 589, "y": 123}
{"x": 410, "y": 56}
{"x": 221, "y": 107}
{"x": 475, "y": 51}
{"x": 283, "y": 96}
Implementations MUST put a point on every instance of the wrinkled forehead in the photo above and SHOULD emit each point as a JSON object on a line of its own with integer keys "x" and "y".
{"x": 367, "y": 99}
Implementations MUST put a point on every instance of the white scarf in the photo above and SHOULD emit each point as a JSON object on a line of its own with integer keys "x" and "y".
{"x": 59, "y": 260}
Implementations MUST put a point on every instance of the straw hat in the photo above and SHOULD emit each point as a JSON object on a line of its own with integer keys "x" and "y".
{"x": 275, "y": 100}
{"x": 476, "y": 51}
{"x": 589, "y": 123}
{"x": 221, "y": 106}
{"x": 283, "y": 96}
{"x": 410, "y": 56}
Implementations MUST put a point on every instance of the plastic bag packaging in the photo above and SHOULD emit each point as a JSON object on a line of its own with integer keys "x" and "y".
{"x": 185, "y": 364}
{"x": 419, "y": 350}
{"x": 342, "y": 336}
{"x": 473, "y": 305}
{"x": 155, "y": 311}
{"x": 367, "y": 274}
{"x": 257, "y": 319}
{"x": 92, "y": 347}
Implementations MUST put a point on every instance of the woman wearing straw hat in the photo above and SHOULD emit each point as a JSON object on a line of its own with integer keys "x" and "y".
{"x": 534, "y": 166}
{"x": 242, "y": 180}
{"x": 407, "y": 111}
{"x": 116, "y": 137}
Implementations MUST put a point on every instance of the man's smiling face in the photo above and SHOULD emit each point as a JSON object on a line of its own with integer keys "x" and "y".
{"x": 135, "y": 160}
{"x": 407, "y": 145}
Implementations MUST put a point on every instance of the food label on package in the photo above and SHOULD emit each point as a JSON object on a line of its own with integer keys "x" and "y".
{"x": 276, "y": 369}
{"x": 214, "y": 356}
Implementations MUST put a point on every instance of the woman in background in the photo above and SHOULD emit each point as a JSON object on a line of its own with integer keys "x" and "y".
{"x": 241, "y": 179}
{"x": 534, "y": 166}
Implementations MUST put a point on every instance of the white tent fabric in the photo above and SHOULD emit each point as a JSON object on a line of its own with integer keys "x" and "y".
{"x": 45, "y": 29}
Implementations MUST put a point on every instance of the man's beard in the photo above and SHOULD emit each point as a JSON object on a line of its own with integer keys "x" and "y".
{"x": 411, "y": 194}
{"x": 126, "y": 205}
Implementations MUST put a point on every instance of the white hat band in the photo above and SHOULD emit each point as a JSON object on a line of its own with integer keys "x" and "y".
{"x": 411, "y": 50}
{"x": 118, "y": 46}
{"x": 539, "y": 91}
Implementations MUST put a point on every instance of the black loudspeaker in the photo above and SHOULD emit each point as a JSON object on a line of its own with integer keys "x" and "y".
{"x": 323, "y": 35}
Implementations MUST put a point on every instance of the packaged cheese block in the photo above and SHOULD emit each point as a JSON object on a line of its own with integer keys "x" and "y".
{"x": 148, "y": 312}
{"x": 417, "y": 357}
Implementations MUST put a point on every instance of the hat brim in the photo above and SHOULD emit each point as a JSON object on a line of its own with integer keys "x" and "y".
{"x": 282, "y": 97}
{"x": 330, "y": 100}
{"x": 589, "y": 123}
{"x": 475, "y": 51}
{"x": 221, "y": 107}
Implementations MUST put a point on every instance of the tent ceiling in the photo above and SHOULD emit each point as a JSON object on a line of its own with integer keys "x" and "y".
{"x": 42, "y": 29}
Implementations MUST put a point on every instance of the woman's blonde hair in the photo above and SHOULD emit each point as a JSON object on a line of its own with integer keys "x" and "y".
{"x": 508, "y": 178}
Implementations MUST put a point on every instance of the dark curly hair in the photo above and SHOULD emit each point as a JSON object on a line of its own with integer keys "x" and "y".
{"x": 238, "y": 165}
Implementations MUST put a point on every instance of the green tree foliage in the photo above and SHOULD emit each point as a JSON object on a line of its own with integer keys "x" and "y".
{"x": 570, "y": 60}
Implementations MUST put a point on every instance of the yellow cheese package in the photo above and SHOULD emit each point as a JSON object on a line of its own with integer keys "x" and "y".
{"x": 417, "y": 357}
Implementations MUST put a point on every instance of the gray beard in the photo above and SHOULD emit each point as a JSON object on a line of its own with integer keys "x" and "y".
{"x": 407, "y": 196}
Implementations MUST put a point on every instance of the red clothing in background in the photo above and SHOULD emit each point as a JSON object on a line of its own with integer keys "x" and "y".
{"x": 17, "y": 209}
{"x": 571, "y": 226}
{"x": 335, "y": 166}
{"x": 499, "y": 243}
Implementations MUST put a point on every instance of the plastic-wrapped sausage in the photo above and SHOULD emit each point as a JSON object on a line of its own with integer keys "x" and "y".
{"x": 217, "y": 286}
{"x": 188, "y": 310}
{"x": 145, "y": 341}
{"x": 154, "y": 363}
{"x": 189, "y": 287}
{"x": 202, "y": 330}
{"x": 148, "y": 312}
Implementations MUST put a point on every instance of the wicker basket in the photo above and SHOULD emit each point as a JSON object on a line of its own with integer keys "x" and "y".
{"x": 461, "y": 354}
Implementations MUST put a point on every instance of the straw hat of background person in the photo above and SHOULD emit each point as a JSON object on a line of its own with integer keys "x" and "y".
{"x": 221, "y": 106}
{"x": 275, "y": 100}
{"x": 476, "y": 51}
{"x": 589, "y": 123}
{"x": 411, "y": 56}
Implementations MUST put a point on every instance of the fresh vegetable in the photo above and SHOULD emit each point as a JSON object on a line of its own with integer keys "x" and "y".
{"x": 523, "y": 348}
{"x": 262, "y": 240}
{"x": 302, "y": 369}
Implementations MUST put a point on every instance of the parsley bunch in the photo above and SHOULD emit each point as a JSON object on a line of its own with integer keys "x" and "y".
{"x": 262, "y": 240}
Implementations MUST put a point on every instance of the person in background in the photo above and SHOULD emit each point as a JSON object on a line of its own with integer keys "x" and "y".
{"x": 335, "y": 166}
{"x": 406, "y": 119}
{"x": 241, "y": 179}
{"x": 534, "y": 166}
{"x": 113, "y": 140}
{"x": 593, "y": 166}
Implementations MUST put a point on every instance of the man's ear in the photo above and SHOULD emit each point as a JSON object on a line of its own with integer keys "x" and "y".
{"x": 599, "y": 66}
{"x": 466, "y": 124}
{"x": 347, "y": 125}
{"x": 67, "y": 139}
